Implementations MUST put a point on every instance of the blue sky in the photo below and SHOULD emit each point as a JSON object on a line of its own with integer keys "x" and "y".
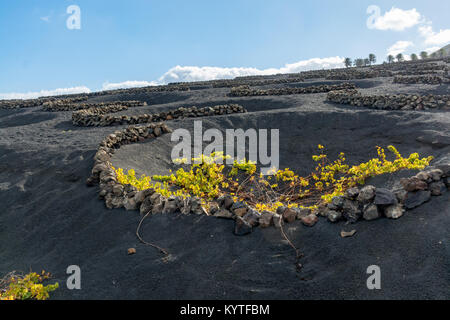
{"x": 137, "y": 42}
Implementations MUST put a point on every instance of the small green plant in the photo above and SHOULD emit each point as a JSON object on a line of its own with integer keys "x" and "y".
{"x": 208, "y": 178}
{"x": 26, "y": 287}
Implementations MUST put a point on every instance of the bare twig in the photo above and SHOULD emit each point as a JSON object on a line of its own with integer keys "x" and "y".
{"x": 145, "y": 242}
{"x": 298, "y": 254}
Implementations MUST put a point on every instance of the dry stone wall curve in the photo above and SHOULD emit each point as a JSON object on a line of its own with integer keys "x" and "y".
{"x": 425, "y": 79}
{"x": 56, "y": 106}
{"x": 30, "y": 103}
{"x": 99, "y": 116}
{"x": 243, "y": 91}
{"x": 367, "y": 202}
{"x": 390, "y": 102}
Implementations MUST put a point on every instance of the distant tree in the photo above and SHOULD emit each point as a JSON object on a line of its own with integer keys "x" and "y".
{"x": 366, "y": 61}
{"x": 414, "y": 57}
{"x": 390, "y": 58}
{"x": 433, "y": 55}
{"x": 358, "y": 62}
{"x": 441, "y": 53}
{"x": 348, "y": 62}
{"x": 399, "y": 57}
{"x": 372, "y": 58}
{"x": 423, "y": 55}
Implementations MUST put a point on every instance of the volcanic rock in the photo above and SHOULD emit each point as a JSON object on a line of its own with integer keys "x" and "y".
{"x": 366, "y": 194}
{"x": 242, "y": 227}
{"x": 266, "y": 219}
{"x": 394, "y": 211}
{"x": 310, "y": 220}
{"x": 415, "y": 199}
{"x": 371, "y": 212}
{"x": 384, "y": 197}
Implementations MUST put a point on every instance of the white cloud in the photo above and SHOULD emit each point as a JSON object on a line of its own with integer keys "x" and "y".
{"x": 397, "y": 19}
{"x": 128, "y": 84}
{"x": 426, "y": 30}
{"x": 46, "y": 19}
{"x": 399, "y": 47}
{"x": 194, "y": 73}
{"x": 440, "y": 38}
{"x": 432, "y": 50}
{"x": 434, "y": 38}
{"x": 44, "y": 93}
{"x": 313, "y": 64}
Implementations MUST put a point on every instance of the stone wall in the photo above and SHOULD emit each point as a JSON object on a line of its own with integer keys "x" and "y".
{"x": 418, "y": 73}
{"x": 29, "y": 103}
{"x": 380, "y": 70}
{"x": 371, "y": 203}
{"x": 98, "y": 117}
{"x": 141, "y": 90}
{"x": 390, "y": 102}
{"x": 356, "y": 73}
{"x": 55, "y": 106}
{"x": 117, "y": 195}
{"x": 247, "y": 91}
{"x": 367, "y": 202}
{"x": 425, "y": 79}
{"x": 229, "y": 83}
{"x": 235, "y": 83}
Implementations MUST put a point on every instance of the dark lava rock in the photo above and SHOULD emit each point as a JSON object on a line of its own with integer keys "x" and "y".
{"x": 146, "y": 206}
{"x": 289, "y": 215}
{"x": 240, "y": 212}
{"x": 310, "y": 220}
{"x": 213, "y": 208}
{"x": 226, "y": 201}
{"x": 351, "y": 211}
{"x": 334, "y": 216}
{"x": 445, "y": 168}
{"x": 414, "y": 183}
{"x": 224, "y": 214}
{"x": 415, "y": 199}
{"x": 352, "y": 193}
{"x": 384, "y": 197}
{"x": 366, "y": 194}
{"x": 252, "y": 217}
{"x": 437, "y": 188}
{"x": 238, "y": 205}
{"x": 277, "y": 220}
{"x": 447, "y": 181}
{"x": 371, "y": 212}
{"x": 266, "y": 219}
{"x": 394, "y": 211}
{"x": 170, "y": 206}
{"x": 280, "y": 210}
{"x": 239, "y": 208}
{"x": 331, "y": 206}
{"x": 338, "y": 202}
{"x": 436, "y": 174}
{"x": 401, "y": 194}
{"x": 424, "y": 176}
{"x": 302, "y": 212}
{"x": 242, "y": 227}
